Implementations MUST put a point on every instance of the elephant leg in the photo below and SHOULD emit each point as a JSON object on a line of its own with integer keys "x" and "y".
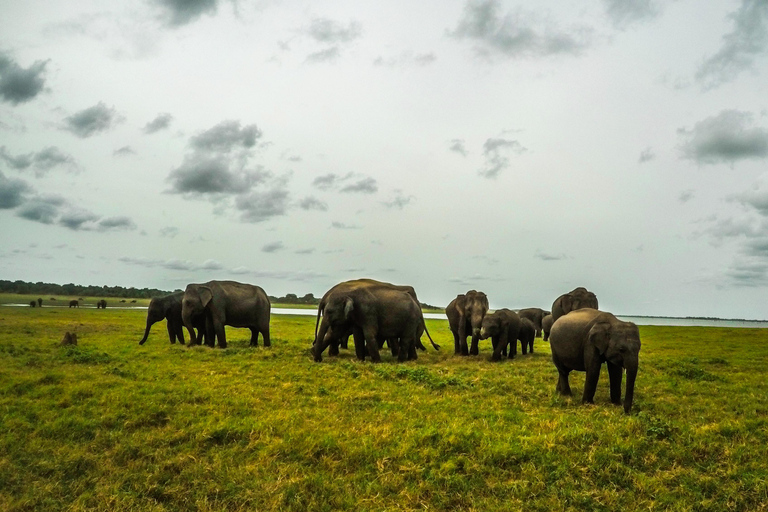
{"x": 359, "y": 342}
{"x": 179, "y": 331}
{"x": 254, "y": 337}
{"x": 333, "y": 347}
{"x": 463, "y": 347}
{"x": 221, "y": 334}
{"x": 563, "y": 387}
{"x": 372, "y": 345}
{"x": 344, "y": 344}
{"x": 475, "y": 348}
{"x": 590, "y": 384}
{"x": 530, "y": 346}
{"x": 171, "y": 330}
{"x": 615, "y": 374}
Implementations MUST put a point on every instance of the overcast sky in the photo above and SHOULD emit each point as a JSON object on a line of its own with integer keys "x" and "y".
{"x": 497, "y": 145}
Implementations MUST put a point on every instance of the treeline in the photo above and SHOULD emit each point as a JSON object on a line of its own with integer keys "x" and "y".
{"x": 292, "y": 298}
{"x": 71, "y": 289}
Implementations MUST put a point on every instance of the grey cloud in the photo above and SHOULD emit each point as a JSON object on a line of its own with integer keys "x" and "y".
{"x": 311, "y": 203}
{"x": 646, "y": 155}
{"x": 748, "y": 273}
{"x": 324, "y": 30}
{"x": 173, "y": 264}
{"x": 272, "y": 247}
{"x": 726, "y": 137}
{"x": 495, "y": 151}
{"x": 457, "y": 146}
{"x": 399, "y": 201}
{"x": 326, "y": 181}
{"x": 741, "y": 47}
{"x": 182, "y": 12}
{"x": 406, "y": 58}
{"x": 326, "y": 55}
{"x": 92, "y": 120}
{"x": 211, "y": 265}
{"x": 19, "y": 85}
{"x": 549, "y": 256}
{"x": 341, "y": 225}
{"x": 212, "y": 175}
{"x": 78, "y": 219}
{"x": 13, "y": 192}
{"x": 685, "y": 196}
{"x": 363, "y": 186}
{"x": 124, "y": 151}
{"x": 116, "y": 224}
{"x": 43, "y": 209}
{"x": 41, "y": 161}
{"x": 261, "y": 206}
{"x": 161, "y": 122}
{"x": 516, "y": 34}
{"x": 304, "y": 251}
{"x": 226, "y": 136}
{"x": 169, "y": 232}
{"x": 625, "y": 12}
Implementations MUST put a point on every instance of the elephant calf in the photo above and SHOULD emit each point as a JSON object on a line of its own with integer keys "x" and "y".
{"x": 546, "y": 326}
{"x": 503, "y": 327}
{"x": 526, "y": 335}
{"x": 583, "y": 340}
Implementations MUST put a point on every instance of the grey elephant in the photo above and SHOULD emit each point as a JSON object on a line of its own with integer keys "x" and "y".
{"x": 583, "y": 340}
{"x": 526, "y": 336}
{"x": 372, "y": 315}
{"x": 32, "y": 304}
{"x": 503, "y": 327}
{"x": 169, "y": 309}
{"x": 101, "y": 304}
{"x": 40, "y": 302}
{"x": 74, "y": 304}
{"x": 341, "y": 335}
{"x": 546, "y": 326}
{"x": 535, "y": 315}
{"x": 577, "y": 298}
{"x": 465, "y": 317}
{"x": 226, "y": 303}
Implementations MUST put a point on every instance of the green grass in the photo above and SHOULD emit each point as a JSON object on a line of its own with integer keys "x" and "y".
{"x": 109, "y": 425}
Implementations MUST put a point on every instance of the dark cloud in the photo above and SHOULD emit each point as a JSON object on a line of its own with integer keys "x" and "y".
{"x": 92, "y": 120}
{"x": 41, "y": 162}
{"x": 646, "y": 155}
{"x": 341, "y": 225}
{"x": 177, "y": 13}
{"x": 741, "y": 47}
{"x": 45, "y": 209}
{"x": 625, "y": 12}
{"x": 226, "y": 136}
{"x": 399, "y": 201}
{"x": 19, "y": 85}
{"x": 326, "y": 181}
{"x": 516, "y": 34}
{"x": 124, "y": 151}
{"x": 116, "y": 224}
{"x": 212, "y": 175}
{"x": 725, "y": 138}
{"x": 326, "y": 55}
{"x": 311, "y": 203}
{"x": 457, "y": 146}
{"x": 261, "y": 206}
{"x": 304, "y": 251}
{"x": 161, "y": 122}
{"x": 328, "y": 31}
{"x": 273, "y": 247}
{"x": 78, "y": 219}
{"x": 362, "y": 186}
{"x": 495, "y": 151}
{"x": 13, "y": 192}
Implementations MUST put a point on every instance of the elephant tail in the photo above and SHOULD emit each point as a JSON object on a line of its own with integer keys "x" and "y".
{"x": 435, "y": 345}
{"x": 317, "y": 321}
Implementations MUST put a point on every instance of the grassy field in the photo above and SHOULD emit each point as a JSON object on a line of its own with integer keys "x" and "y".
{"x": 109, "y": 425}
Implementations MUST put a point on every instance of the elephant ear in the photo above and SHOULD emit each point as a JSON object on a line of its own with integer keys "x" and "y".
{"x": 349, "y": 306}
{"x": 600, "y": 336}
{"x": 566, "y": 303}
{"x": 206, "y": 295}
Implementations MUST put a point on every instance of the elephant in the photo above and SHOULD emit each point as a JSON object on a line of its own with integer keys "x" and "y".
{"x": 101, "y": 304}
{"x": 353, "y": 285}
{"x": 74, "y": 304}
{"x": 373, "y": 314}
{"x": 32, "y": 304}
{"x": 546, "y": 326}
{"x": 577, "y": 298}
{"x": 503, "y": 327}
{"x": 169, "y": 308}
{"x": 465, "y": 317}
{"x": 535, "y": 315}
{"x": 586, "y": 338}
{"x": 526, "y": 335}
{"x": 226, "y": 303}
{"x": 40, "y": 302}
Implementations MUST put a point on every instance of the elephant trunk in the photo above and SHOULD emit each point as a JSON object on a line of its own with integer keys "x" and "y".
{"x": 146, "y": 331}
{"x": 630, "y": 393}
{"x": 186, "y": 317}
{"x": 322, "y": 340}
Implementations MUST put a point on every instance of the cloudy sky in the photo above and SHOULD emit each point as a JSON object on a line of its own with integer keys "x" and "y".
{"x": 499, "y": 145}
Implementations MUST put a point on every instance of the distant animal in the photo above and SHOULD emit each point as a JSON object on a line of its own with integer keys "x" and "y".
{"x": 40, "y": 302}
{"x": 70, "y": 338}
{"x": 53, "y": 298}
{"x": 227, "y": 303}
{"x": 577, "y": 298}
{"x": 134, "y": 300}
{"x": 74, "y": 304}
{"x": 535, "y": 315}
{"x": 465, "y": 318}
{"x": 546, "y": 326}
{"x": 32, "y": 304}
{"x": 586, "y": 338}
{"x": 503, "y": 327}
{"x": 101, "y": 304}
{"x": 122, "y": 300}
{"x": 526, "y": 335}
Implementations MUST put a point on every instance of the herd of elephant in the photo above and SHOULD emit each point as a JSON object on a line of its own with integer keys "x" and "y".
{"x": 375, "y": 313}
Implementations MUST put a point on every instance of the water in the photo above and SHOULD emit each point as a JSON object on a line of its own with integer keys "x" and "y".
{"x": 639, "y": 320}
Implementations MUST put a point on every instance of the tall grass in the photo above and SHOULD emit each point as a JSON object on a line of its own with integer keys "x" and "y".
{"x": 111, "y": 425}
